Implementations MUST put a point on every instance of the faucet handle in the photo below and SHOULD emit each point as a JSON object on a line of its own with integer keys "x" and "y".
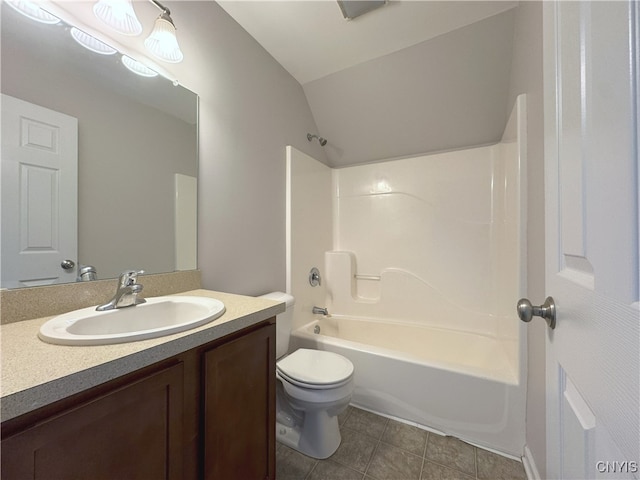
{"x": 129, "y": 277}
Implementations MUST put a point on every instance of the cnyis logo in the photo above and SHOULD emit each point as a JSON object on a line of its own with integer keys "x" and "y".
{"x": 617, "y": 467}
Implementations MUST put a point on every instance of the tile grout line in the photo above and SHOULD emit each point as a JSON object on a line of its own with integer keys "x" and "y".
{"x": 373, "y": 453}
{"x": 308, "y": 476}
{"x": 424, "y": 454}
{"x": 366, "y": 469}
{"x": 449, "y": 466}
{"x": 375, "y": 450}
{"x": 475, "y": 460}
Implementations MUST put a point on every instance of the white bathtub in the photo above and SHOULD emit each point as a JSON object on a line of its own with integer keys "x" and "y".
{"x": 458, "y": 383}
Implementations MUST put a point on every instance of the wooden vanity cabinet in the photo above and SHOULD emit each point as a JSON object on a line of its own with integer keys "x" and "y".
{"x": 208, "y": 413}
{"x": 239, "y": 408}
{"x": 133, "y": 432}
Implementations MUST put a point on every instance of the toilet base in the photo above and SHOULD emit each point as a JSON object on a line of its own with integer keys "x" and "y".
{"x": 319, "y": 438}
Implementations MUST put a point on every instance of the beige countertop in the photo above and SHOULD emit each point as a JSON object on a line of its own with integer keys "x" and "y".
{"x": 35, "y": 373}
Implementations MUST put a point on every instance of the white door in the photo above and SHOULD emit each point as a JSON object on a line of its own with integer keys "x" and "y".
{"x": 592, "y": 249}
{"x": 39, "y": 194}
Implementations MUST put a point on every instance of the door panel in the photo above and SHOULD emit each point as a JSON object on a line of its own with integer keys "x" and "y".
{"x": 591, "y": 195}
{"x": 39, "y": 194}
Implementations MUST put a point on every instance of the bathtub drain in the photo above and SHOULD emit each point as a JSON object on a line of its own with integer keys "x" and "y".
{"x": 316, "y": 329}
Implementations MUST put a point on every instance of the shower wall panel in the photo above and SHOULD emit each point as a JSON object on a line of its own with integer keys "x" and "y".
{"x": 309, "y": 223}
{"x": 431, "y": 239}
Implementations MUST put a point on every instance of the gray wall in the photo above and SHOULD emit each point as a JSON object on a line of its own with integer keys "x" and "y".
{"x": 446, "y": 93}
{"x": 250, "y": 109}
{"x": 526, "y": 77}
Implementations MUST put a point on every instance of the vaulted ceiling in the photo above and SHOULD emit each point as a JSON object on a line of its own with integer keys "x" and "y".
{"x": 411, "y": 77}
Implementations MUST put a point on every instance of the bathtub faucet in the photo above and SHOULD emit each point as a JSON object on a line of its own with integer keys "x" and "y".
{"x": 320, "y": 311}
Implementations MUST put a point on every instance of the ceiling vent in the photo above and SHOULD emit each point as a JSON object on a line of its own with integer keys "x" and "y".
{"x": 354, "y": 8}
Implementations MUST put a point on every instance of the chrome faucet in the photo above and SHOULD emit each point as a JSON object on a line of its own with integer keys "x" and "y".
{"x": 127, "y": 292}
{"x": 320, "y": 311}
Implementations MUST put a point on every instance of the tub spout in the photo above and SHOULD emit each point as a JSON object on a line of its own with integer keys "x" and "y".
{"x": 320, "y": 311}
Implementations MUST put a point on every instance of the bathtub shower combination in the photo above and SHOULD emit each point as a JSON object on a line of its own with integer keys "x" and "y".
{"x": 421, "y": 277}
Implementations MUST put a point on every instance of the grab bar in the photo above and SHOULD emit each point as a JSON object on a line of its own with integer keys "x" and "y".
{"x": 367, "y": 277}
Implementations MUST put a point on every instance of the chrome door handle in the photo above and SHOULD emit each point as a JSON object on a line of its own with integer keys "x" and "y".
{"x": 67, "y": 264}
{"x": 547, "y": 310}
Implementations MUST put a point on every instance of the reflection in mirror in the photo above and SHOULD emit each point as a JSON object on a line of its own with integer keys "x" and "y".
{"x": 130, "y": 141}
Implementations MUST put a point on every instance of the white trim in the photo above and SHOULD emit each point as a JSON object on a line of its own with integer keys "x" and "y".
{"x": 529, "y": 465}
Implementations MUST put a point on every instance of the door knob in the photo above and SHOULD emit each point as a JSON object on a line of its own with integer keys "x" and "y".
{"x": 68, "y": 264}
{"x": 547, "y": 310}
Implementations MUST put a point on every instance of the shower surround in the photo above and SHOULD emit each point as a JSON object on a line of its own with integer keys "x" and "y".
{"x": 422, "y": 264}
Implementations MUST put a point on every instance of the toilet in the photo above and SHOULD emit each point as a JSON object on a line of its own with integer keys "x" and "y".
{"x": 312, "y": 388}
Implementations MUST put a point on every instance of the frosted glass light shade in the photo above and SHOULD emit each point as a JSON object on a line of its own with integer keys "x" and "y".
{"x": 162, "y": 41}
{"x": 32, "y": 11}
{"x": 119, "y": 15}
{"x": 137, "y": 67}
{"x": 91, "y": 43}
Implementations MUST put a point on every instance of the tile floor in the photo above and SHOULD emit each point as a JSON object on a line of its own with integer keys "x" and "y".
{"x": 378, "y": 448}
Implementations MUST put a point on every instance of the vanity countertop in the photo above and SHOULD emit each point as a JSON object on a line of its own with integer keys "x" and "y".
{"x": 35, "y": 373}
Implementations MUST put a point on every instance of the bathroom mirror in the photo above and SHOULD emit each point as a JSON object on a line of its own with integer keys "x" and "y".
{"x": 136, "y": 152}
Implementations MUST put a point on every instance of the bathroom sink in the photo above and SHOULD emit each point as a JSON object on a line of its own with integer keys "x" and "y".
{"x": 158, "y": 317}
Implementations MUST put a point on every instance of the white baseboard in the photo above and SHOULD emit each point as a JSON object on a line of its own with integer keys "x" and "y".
{"x": 530, "y": 465}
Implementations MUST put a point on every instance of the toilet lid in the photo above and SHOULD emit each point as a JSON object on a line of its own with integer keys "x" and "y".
{"x": 315, "y": 367}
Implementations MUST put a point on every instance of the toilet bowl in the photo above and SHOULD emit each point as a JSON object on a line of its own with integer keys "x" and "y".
{"x": 313, "y": 388}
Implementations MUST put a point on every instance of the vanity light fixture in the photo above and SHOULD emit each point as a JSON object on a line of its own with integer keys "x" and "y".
{"x": 91, "y": 43}
{"x": 33, "y": 11}
{"x": 162, "y": 41}
{"x": 119, "y": 15}
{"x": 137, "y": 67}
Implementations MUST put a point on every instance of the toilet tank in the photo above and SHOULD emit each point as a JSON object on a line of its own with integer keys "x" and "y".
{"x": 284, "y": 321}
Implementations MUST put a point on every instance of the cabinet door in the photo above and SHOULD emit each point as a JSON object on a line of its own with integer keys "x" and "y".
{"x": 134, "y": 432}
{"x": 239, "y": 408}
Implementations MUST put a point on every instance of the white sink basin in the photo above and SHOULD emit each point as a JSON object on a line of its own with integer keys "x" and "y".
{"x": 157, "y": 317}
